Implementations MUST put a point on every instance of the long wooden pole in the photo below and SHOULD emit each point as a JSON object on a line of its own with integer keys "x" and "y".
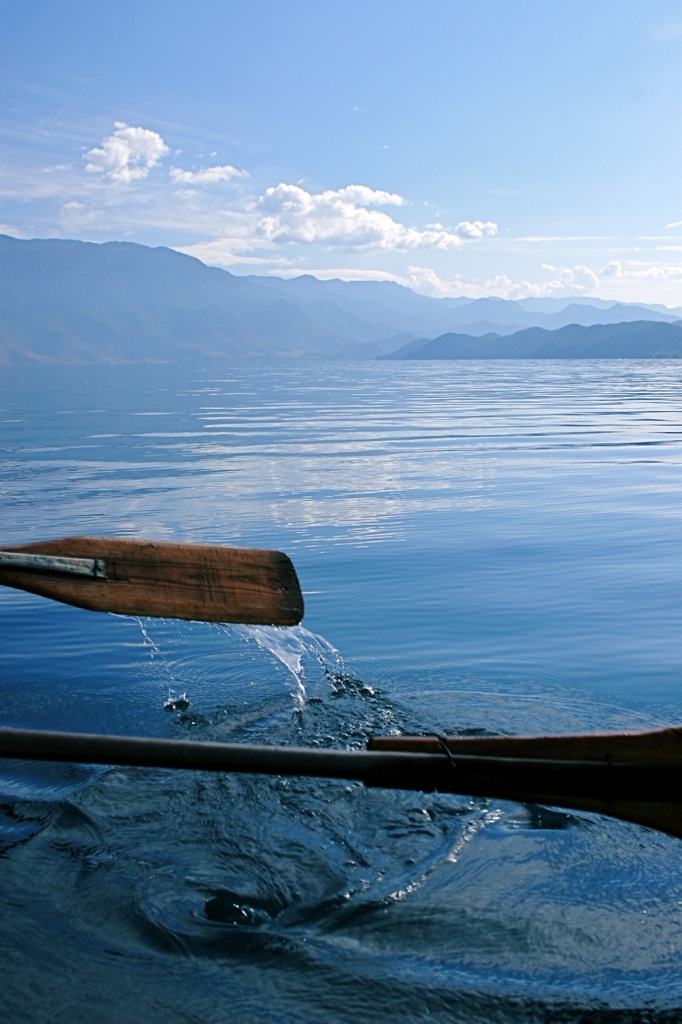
{"x": 659, "y": 746}
{"x": 645, "y": 792}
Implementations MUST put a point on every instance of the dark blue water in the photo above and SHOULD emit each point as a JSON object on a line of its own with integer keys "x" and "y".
{"x": 481, "y": 546}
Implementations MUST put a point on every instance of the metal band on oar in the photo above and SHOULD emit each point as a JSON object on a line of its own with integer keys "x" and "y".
{"x": 50, "y": 563}
{"x": 166, "y": 580}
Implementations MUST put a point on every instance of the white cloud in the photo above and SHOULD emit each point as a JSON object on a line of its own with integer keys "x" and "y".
{"x": 345, "y": 217}
{"x": 475, "y": 229}
{"x": 638, "y": 270}
{"x": 570, "y": 280}
{"x": 566, "y": 281}
{"x": 128, "y": 154}
{"x": 75, "y": 218}
{"x": 426, "y": 281}
{"x": 361, "y": 195}
{"x": 14, "y": 232}
{"x": 208, "y": 176}
{"x": 662, "y": 273}
{"x": 229, "y": 252}
{"x": 675, "y": 224}
{"x": 342, "y": 274}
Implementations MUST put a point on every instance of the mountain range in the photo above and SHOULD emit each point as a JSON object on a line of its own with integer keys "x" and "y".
{"x": 637, "y": 339}
{"x": 72, "y": 301}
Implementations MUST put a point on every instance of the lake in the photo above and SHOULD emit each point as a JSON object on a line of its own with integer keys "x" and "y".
{"x": 483, "y": 547}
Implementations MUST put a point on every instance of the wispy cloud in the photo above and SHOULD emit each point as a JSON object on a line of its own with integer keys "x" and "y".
{"x": 565, "y": 238}
{"x": 10, "y": 229}
{"x": 620, "y": 280}
{"x": 207, "y": 176}
{"x": 575, "y": 280}
{"x": 127, "y": 155}
{"x": 344, "y": 274}
{"x": 234, "y": 251}
{"x": 639, "y": 270}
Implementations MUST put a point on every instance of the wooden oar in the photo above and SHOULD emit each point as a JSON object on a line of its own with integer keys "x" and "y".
{"x": 645, "y": 790}
{"x": 161, "y": 579}
{"x": 660, "y": 746}
{"x": 555, "y": 765}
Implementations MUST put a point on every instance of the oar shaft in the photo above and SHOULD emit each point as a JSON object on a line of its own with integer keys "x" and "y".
{"x": 420, "y": 771}
{"x": 660, "y": 745}
{"x": 645, "y": 793}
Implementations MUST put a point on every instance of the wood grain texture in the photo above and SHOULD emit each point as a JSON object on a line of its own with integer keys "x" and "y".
{"x": 661, "y": 746}
{"x": 209, "y": 583}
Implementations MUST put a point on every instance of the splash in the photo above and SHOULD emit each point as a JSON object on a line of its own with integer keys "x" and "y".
{"x": 176, "y": 702}
{"x": 296, "y": 648}
{"x": 312, "y": 662}
{"x": 154, "y": 649}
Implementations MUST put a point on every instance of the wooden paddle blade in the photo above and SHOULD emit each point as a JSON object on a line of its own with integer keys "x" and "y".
{"x": 208, "y": 583}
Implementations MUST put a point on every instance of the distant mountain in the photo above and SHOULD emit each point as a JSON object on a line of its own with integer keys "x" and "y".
{"x": 70, "y": 301}
{"x": 553, "y": 305}
{"x": 503, "y": 312}
{"x": 618, "y": 313}
{"x": 80, "y": 302}
{"x": 640, "y": 339}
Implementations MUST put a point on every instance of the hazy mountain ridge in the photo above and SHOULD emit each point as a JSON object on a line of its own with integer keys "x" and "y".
{"x": 72, "y": 301}
{"x": 639, "y": 339}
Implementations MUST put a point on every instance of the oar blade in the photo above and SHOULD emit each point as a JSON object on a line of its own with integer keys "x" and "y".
{"x": 210, "y": 583}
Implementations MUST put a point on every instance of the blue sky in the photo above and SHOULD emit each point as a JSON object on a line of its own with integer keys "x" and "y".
{"x": 504, "y": 147}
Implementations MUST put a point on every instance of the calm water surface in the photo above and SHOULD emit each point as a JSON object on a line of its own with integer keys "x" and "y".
{"x": 482, "y": 546}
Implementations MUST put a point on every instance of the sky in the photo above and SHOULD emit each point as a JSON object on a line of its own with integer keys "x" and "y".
{"x": 517, "y": 148}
